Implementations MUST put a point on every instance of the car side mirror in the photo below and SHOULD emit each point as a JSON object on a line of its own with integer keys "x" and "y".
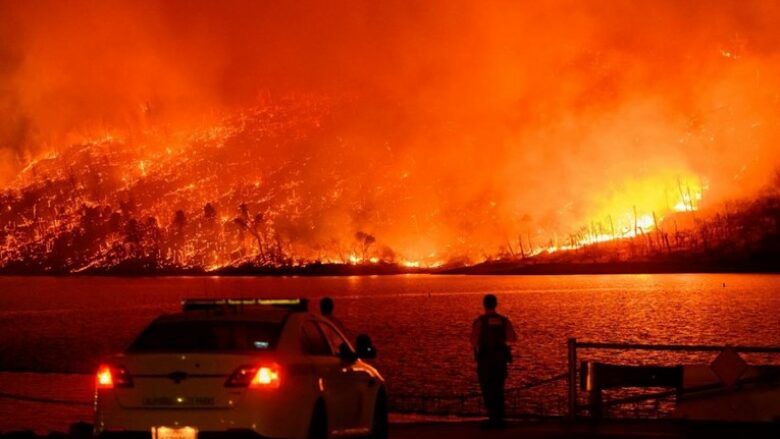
{"x": 365, "y": 348}
{"x": 347, "y": 354}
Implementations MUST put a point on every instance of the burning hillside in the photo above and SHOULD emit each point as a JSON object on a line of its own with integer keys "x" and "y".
{"x": 251, "y": 190}
{"x": 164, "y": 136}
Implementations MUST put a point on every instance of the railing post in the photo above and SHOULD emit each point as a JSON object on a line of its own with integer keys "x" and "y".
{"x": 572, "y": 379}
{"x": 595, "y": 396}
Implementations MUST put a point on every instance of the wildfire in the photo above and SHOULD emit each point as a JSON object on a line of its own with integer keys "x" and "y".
{"x": 278, "y": 134}
{"x": 653, "y": 201}
{"x": 189, "y": 212}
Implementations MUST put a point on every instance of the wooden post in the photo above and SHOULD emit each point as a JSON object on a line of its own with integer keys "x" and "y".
{"x": 595, "y": 400}
{"x": 572, "y": 380}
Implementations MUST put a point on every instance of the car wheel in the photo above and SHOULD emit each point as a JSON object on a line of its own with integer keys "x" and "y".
{"x": 379, "y": 427}
{"x": 318, "y": 428}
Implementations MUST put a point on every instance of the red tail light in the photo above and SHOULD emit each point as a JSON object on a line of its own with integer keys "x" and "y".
{"x": 109, "y": 377}
{"x": 257, "y": 376}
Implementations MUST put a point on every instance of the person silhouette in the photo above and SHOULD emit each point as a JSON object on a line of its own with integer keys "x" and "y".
{"x": 326, "y": 309}
{"x": 490, "y": 334}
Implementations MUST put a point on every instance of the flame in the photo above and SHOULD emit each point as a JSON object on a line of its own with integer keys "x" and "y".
{"x": 651, "y": 200}
{"x": 370, "y": 133}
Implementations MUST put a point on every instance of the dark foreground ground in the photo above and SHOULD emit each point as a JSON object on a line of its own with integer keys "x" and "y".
{"x": 532, "y": 430}
{"x": 562, "y": 429}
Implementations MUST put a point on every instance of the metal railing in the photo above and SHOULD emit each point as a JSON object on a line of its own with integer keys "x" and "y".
{"x": 573, "y": 345}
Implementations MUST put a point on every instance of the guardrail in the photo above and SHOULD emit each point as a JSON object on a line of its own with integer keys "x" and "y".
{"x": 573, "y": 345}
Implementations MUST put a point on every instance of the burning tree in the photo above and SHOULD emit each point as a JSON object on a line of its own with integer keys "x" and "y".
{"x": 365, "y": 241}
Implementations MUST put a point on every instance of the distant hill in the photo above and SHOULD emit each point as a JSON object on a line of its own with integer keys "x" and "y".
{"x": 740, "y": 237}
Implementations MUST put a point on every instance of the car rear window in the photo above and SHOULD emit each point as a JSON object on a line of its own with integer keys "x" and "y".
{"x": 207, "y": 336}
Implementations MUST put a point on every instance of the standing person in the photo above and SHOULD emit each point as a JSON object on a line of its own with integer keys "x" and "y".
{"x": 490, "y": 334}
{"x": 326, "y": 309}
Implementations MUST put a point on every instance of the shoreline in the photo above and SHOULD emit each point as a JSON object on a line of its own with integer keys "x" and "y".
{"x": 491, "y": 268}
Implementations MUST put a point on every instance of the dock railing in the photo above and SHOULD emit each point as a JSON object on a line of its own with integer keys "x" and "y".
{"x": 559, "y": 395}
{"x": 572, "y": 378}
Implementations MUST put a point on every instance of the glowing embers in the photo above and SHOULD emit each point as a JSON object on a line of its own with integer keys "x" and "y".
{"x": 689, "y": 202}
{"x": 112, "y": 201}
{"x": 202, "y": 200}
{"x": 633, "y": 209}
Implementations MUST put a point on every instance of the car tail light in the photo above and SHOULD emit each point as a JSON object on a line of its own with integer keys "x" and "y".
{"x": 256, "y": 376}
{"x": 109, "y": 377}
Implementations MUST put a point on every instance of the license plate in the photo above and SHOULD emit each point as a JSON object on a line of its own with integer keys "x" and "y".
{"x": 181, "y": 401}
{"x": 174, "y": 433}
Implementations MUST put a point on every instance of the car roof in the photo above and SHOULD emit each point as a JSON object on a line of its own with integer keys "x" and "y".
{"x": 257, "y": 314}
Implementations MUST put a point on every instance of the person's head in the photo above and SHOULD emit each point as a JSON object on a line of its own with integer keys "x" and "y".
{"x": 490, "y": 302}
{"x": 326, "y": 306}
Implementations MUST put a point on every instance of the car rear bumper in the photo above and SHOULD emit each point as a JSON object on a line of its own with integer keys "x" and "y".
{"x": 209, "y": 423}
{"x": 259, "y": 416}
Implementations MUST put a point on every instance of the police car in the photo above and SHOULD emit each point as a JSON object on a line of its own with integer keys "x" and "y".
{"x": 241, "y": 367}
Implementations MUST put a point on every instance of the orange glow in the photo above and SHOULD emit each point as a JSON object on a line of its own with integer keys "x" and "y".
{"x": 153, "y": 135}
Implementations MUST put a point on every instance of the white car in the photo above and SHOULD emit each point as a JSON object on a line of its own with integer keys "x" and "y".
{"x": 241, "y": 367}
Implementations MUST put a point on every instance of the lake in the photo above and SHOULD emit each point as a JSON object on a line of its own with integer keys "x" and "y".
{"x": 53, "y": 331}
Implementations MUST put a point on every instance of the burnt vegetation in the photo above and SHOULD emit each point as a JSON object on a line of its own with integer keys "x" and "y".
{"x": 738, "y": 236}
{"x": 102, "y": 239}
{"x": 101, "y": 208}
{"x": 225, "y": 200}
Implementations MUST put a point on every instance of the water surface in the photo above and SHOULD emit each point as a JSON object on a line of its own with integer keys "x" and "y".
{"x": 420, "y": 323}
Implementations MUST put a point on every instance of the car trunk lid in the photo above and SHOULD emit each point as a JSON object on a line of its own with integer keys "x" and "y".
{"x": 181, "y": 380}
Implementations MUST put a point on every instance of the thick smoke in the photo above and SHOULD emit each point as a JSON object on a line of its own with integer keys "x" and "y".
{"x": 469, "y": 122}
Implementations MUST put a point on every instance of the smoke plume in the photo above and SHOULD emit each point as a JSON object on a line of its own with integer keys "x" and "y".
{"x": 451, "y": 127}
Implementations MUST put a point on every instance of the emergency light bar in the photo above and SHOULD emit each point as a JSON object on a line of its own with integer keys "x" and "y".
{"x": 214, "y": 304}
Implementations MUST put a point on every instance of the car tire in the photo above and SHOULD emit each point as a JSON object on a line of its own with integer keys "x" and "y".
{"x": 379, "y": 426}
{"x": 318, "y": 427}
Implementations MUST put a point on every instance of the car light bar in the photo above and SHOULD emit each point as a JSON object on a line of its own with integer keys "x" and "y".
{"x": 299, "y": 304}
